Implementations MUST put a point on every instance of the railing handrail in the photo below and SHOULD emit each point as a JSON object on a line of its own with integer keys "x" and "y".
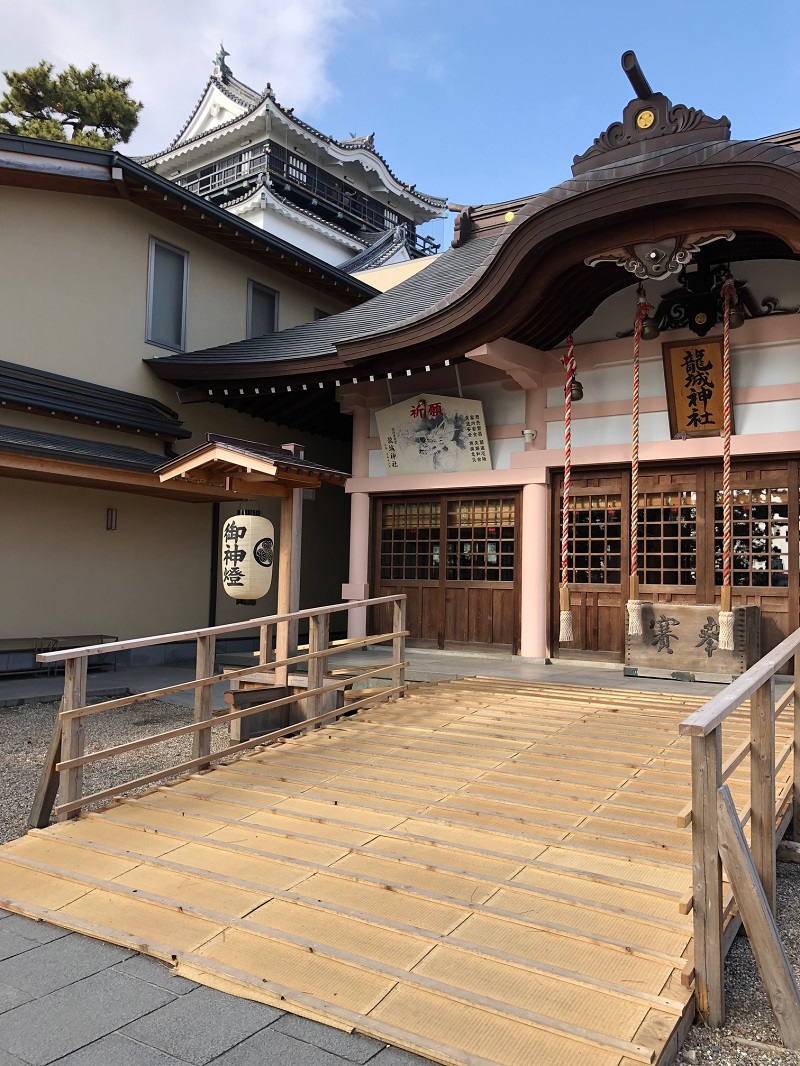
{"x": 210, "y": 631}
{"x": 719, "y": 707}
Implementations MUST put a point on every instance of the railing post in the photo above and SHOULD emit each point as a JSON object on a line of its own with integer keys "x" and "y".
{"x": 203, "y": 698}
{"x": 319, "y": 628}
{"x": 265, "y": 644}
{"x": 762, "y": 786}
{"x": 707, "y": 908}
{"x": 796, "y": 751}
{"x": 72, "y": 732}
{"x": 398, "y": 643}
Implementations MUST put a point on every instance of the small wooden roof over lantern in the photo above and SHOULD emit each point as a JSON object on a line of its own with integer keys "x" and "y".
{"x": 247, "y": 469}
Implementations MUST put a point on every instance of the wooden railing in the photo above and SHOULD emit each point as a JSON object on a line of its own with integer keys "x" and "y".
{"x": 63, "y": 772}
{"x": 767, "y": 813}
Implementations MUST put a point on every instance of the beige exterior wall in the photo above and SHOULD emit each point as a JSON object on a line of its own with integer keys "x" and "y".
{"x": 73, "y": 300}
{"x": 67, "y": 575}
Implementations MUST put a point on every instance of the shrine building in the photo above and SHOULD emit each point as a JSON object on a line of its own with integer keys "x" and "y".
{"x": 673, "y": 245}
{"x": 336, "y": 199}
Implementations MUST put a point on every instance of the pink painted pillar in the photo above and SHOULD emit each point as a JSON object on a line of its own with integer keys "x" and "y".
{"x": 357, "y": 587}
{"x": 533, "y": 642}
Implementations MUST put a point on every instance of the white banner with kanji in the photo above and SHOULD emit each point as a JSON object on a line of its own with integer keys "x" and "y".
{"x": 434, "y": 434}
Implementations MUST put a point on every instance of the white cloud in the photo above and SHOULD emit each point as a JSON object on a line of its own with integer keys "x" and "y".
{"x": 167, "y": 47}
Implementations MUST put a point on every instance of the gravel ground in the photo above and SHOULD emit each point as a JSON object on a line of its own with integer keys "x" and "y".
{"x": 26, "y": 731}
{"x": 749, "y": 1038}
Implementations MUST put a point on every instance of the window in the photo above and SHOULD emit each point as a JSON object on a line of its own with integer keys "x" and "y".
{"x": 480, "y": 540}
{"x": 166, "y": 296}
{"x": 595, "y": 539}
{"x": 410, "y": 538}
{"x": 760, "y": 537}
{"x": 668, "y": 538}
{"x": 262, "y": 310}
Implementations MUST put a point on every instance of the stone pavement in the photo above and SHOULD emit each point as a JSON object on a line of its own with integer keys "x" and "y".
{"x": 74, "y": 1001}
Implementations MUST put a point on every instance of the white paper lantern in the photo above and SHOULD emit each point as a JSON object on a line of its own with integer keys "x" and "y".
{"x": 248, "y": 552}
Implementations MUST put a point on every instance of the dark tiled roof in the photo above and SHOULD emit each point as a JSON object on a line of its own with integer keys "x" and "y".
{"x": 96, "y": 453}
{"x": 418, "y": 294}
{"x": 250, "y": 100}
{"x": 26, "y": 388}
{"x": 274, "y": 453}
{"x": 379, "y": 250}
{"x": 459, "y": 270}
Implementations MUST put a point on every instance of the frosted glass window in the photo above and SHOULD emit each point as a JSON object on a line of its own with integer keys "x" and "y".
{"x": 262, "y": 310}
{"x": 166, "y": 296}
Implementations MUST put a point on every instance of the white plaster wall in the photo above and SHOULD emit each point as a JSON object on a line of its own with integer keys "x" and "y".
{"x": 502, "y": 450}
{"x": 613, "y": 429}
{"x": 377, "y": 463}
{"x": 608, "y": 383}
{"x": 778, "y": 416}
{"x": 765, "y": 364}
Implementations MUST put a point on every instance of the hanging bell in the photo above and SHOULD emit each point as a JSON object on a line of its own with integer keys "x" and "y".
{"x": 650, "y": 329}
{"x": 576, "y": 392}
{"x": 736, "y": 315}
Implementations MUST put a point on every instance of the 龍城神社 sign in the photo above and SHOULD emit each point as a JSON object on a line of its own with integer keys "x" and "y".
{"x": 693, "y": 372}
{"x": 434, "y": 434}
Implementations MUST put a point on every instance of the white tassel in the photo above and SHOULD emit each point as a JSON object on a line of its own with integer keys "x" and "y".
{"x": 565, "y": 627}
{"x": 726, "y": 631}
{"x": 635, "y": 618}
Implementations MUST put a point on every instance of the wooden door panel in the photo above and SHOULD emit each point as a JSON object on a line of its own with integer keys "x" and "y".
{"x": 504, "y": 608}
{"x": 429, "y": 622}
{"x": 479, "y": 610}
{"x": 456, "y": 615}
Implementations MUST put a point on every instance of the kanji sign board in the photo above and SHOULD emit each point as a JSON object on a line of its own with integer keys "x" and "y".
{"x": 693, "y": 372}
{"x": 434, "y": 434}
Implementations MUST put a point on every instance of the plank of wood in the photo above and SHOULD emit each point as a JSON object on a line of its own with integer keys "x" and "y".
{"x": 201, "y": 741}
{"x": 72, "y": 735}
{"x": 707, "y": 878}
{"x": 762, "y": 786}
{"x": 47, "y": 788}
{"x": 754, "y": 906}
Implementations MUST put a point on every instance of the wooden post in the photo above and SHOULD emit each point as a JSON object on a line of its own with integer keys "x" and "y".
{"x": 47, "y": 789}
{"x": 776, "y": 973}
{"x": 796, "y": 790}
{"x": 203, "y": 698}
{"x": 288, "y": 579}
{"x": 319, "y": 627}
{"x": 72, "y": 733}
{"x": 762, "y": 786}
{"x": 265, "y": 644}
{"x": 707, "y": 878}
{"x": 399, "y": 644}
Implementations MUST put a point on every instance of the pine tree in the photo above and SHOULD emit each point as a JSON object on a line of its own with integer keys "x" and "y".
{"x": 80, "y": 106}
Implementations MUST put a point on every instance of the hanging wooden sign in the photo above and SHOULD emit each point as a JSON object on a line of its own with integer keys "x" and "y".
{"x": 693, "y": 373}
{"x": 248, "y": 552}
{"x": 434, "y": 434}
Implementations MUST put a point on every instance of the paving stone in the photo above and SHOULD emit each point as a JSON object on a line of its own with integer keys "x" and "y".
{"x": 60, "y": 963}
{"x": 156, "y": 973}
{"x": 202, "y": 1024}
{"x": 351, "y": 1046}
{"x": 12, "y": 944}
{"x": 41, "y": 932}
{"x": 4, "y": 914}
{"x": 394, "y": 1056}
{"x": 117, "y": 1050}
{"x": 11, "y": 997}
{"x": 10, "y": 1060}
{"x": 77, "y": 1015}
{"x": 269, "y": 1046}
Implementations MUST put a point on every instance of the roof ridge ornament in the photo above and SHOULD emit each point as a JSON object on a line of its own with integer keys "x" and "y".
{"x": 221, "y": 68}
{"x": 650, "y": 123}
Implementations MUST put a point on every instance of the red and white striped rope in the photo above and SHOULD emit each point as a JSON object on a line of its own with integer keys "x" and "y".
{"x": 642, "y": 307}
{"x": 728, "y": 292}
{"x": 569, "y": 365}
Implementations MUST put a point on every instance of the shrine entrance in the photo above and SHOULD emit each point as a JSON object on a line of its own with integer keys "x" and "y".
{"x": 680, "y": 547}
{"x": 456, "y": 558}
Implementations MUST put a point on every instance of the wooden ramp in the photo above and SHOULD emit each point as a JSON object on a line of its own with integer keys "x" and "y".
{"x": 484, "y": 872}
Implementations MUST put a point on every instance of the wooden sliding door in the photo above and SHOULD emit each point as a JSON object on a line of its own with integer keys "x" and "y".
{"x": 456, "y": 559}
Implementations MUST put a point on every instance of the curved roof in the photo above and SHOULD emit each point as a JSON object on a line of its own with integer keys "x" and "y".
{"x": 475, "y": 286}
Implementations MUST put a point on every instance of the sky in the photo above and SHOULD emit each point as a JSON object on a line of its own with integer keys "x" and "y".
{"x": 478, "y": 101}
